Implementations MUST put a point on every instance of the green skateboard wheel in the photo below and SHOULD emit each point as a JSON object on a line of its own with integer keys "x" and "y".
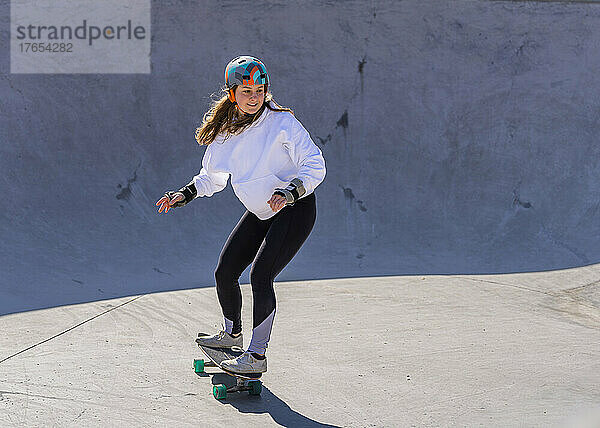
{"x": 220, "y": 392}
{"x": 199, "y": 366}
{"x": 256, "y": 386}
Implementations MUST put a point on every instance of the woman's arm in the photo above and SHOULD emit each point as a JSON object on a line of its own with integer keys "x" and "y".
{"x": 306, "y": 155}
{"x": 208, "y": 181}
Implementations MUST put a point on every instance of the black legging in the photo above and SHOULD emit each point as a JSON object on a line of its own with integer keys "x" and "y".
{"x": 271, "y": 243}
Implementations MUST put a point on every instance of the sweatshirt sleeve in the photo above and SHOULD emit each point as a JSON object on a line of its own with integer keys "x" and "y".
{"x": 208, "y": 181}
{"x": 306, "y": 155}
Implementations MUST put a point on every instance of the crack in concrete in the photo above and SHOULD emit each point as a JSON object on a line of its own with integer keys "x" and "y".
{"x": 91, "y": 402}
{"x": 160, "y": 271}
{"x": 581, "y": 287}
{"x": 70, "y": 329}
{"x": 579, "y": 313}
{"x": 2, "y": 393}
{"x": 517, "y": 197}
{"x": 80, "y": 415}
{"x": 564, "y": 297}
{"x": 520, "y": 287}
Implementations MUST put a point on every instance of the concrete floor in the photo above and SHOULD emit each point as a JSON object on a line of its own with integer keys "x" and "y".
{"x": 505, "y": 350}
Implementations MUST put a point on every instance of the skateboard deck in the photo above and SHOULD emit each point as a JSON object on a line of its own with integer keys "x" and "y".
{"x": 244, "y": 382}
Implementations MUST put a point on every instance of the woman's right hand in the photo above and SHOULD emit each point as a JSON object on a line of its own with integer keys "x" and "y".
{"x": 166, "y": 202}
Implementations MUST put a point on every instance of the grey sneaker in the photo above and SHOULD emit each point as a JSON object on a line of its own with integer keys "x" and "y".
{"x": 221, "y": 340}
{"x": 245, "y": 363}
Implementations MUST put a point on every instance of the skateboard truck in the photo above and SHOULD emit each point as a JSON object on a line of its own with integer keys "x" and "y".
{"x": 253, "y": 386}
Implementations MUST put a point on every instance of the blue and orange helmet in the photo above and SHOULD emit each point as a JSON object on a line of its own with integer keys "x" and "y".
{"x": 245, "y": 70}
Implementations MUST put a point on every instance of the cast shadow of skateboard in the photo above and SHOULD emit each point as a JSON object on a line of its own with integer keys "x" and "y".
{"x": 261, "y": 399}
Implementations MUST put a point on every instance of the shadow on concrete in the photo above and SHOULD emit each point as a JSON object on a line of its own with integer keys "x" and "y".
{"x": 267, "y": 402}
{"x": 13, "y": 302}
{"x": 487, "y": 174}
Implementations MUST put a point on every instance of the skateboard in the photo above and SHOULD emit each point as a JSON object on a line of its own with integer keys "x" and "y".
{"x": 244, "y": 382}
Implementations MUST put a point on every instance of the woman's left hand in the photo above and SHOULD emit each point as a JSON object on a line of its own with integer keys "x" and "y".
{"x": 276, "y": 202}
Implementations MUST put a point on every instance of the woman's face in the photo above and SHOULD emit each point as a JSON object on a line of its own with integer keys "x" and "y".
{"x": 250, "y": 98}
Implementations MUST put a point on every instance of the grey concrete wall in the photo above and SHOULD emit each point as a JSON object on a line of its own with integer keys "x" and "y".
{"x": 460, "y": 137}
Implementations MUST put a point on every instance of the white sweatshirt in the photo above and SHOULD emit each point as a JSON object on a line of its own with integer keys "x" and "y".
{"x": 268, "y": 154}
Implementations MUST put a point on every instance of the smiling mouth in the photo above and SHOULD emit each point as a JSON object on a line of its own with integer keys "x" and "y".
{"x": 252, "y": 105}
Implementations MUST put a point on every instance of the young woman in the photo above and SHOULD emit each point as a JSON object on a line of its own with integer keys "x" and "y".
{"x": 274, "y": 167}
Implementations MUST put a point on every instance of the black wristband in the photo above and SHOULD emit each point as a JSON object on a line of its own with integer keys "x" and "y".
{"x": 294, "y": 191}
{"x": 189, "y": 191}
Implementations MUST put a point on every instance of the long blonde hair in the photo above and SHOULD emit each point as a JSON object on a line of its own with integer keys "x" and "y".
{"x": 224, "y": 117}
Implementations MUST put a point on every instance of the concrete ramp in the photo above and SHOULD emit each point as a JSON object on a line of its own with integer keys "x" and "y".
{"x": 452, "y": 276}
